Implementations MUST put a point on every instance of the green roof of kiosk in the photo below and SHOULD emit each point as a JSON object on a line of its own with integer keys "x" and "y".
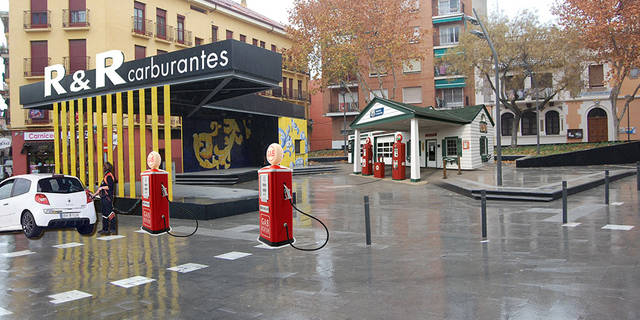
{"x": 402, "y": 111}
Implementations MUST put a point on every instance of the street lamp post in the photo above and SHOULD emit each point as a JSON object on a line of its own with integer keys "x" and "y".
{"x": 485, "y": 35}
{"x": 344, "y": 124}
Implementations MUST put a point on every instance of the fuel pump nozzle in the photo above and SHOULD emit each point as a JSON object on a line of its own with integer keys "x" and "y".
{"x": 165, "y": 192}
{"x": 287, "y": 193}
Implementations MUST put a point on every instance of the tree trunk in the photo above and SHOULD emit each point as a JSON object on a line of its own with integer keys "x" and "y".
{"x": 613, "y": 98}
{"x": 515, "y": 129}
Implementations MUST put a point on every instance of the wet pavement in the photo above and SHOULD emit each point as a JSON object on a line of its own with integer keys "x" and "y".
{"x": 427, "y": 261}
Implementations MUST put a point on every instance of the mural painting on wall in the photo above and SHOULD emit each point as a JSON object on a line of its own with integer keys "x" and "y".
{"x": 221, "y": 143}
{"x": 292, "y": 131}
{"x": 211, "y": 156}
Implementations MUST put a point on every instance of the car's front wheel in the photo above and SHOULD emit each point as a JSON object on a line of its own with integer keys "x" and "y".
{"x": 29, "y": 226}
{"x": 87, "y": 229}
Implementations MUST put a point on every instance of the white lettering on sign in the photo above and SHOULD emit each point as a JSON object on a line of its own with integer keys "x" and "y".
{"x": 264, "y": 208}
{"x": 38, "y": 136}
{"x": 264, "y": 187}
{"x": 265, "y": 226}
{"x": 152, "y": 71}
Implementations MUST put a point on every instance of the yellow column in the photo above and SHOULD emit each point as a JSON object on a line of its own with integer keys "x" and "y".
{"x": 154, "y": 118}
{"x": 83, "y": 172}
{"x": 90, "y": 151}
{"x": 109, "y": 132}
{"x": 132, "y": 141}
{"x": 72, "y": 138}
{"x": 56, "y": 137}
{"x": 167, "y": 137}
{"x": 143, "y": 130}
{"x": 64, "y": 134}
{"x": 120, "y": 146}
{"x": 99, "y": 138}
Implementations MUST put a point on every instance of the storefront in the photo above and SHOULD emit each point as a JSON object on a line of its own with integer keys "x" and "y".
{"x": 435, "y": 134}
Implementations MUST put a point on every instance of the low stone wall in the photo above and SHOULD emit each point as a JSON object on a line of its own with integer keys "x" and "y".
{"x": 615, "y": 154}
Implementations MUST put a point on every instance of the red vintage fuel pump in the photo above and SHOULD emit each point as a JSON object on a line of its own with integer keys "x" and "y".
{"x": 398, "y": 171}
{"x": 155, "y": 202}
{"x": 378, "y": 168}
{"x": 367, "y": 158}
{"x": 275, "y": 183}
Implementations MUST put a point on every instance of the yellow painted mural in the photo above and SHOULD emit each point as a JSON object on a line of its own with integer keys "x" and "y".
{"x": 293, "y": 137}
{"x": 210, "y": 156}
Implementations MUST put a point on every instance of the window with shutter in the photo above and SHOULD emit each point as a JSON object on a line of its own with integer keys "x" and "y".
{"x": 412, "y": 95}
{"x": 596, "y": 76}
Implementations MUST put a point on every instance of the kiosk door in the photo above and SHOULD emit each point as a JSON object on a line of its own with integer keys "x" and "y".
{"x": 432, "y": 147}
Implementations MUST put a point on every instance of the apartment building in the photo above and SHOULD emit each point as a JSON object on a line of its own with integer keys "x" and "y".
{"x": 421, "y": 83}
{"x": 588, "y": 117}
{"x": 42, "y": 33}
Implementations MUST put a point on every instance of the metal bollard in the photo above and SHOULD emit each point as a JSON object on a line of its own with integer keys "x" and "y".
{"x": 367, "y": 220}
{"x": 484, "y": 214}
{"x": 606, "y": 187}
{"x": 564, "y": 202}
{"x": 638, "y": 175}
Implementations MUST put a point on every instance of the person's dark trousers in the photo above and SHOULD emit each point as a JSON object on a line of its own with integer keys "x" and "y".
{"x": 107, "y": 208}
{"x": 113, "y": 225}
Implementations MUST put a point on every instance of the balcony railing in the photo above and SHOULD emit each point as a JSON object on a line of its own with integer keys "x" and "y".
{"x": 279, "y": 93}
{"x": 37, "y": 19}
{"x": 34, "y": 67}
{"x": 183, "y": 37}
{"x": 340, "y": 107}
{"x": 164, "y": 32}
{"x": 73, "y": 64}
{"x": 444, "y": 71}
{"x": 75, "y": 18}
{"x": 143, "y": 27}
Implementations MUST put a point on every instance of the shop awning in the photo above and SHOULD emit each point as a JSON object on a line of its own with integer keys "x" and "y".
{"x": 450, "y": 83}
{"x": 447, "y": 19}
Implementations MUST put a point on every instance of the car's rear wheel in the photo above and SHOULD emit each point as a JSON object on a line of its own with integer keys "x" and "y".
{"x": 29, "y": 226}
{"x": 87, "y": 229}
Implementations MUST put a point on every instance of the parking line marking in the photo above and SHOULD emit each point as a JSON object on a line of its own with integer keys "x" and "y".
{"x": 620, "y": 227}
{"x": 5, "y": 312}
{"x": 617, "y": 203}
{"x": 68, "y": 296}
{"x": 188, "y": 267}
{"x": 571, "y": 224}
{"x": 68, "y": 245}
{"x": 233, "y": 255}
{"x": 17, "y": 253}
{"x": 242, "y": 228}
{"x": 109, "y": 238}
{"x": 132, "y": 282}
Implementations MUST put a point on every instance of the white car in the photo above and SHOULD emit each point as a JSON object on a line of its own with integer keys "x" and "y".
{"x": 34, "y": 202}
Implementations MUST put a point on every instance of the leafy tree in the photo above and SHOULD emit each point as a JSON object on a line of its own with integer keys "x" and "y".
{"x": 610, "y": 29}
{"x": 342, "y": 40}
{"x": 527, "y": 49}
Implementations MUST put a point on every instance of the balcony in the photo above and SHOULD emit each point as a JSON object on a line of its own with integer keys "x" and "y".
{"x": 141, "y": 27}
{"x": 34, "y": 67}
{"x": 444, "y": 71}
{"x": 73, "y": 64}
{"x": 37, "y": 117}
{"x": 75, "y": 19}
{"x": 37, "y": 20}
{"x": 295, "y": 94}
{"x": 164, "y": 33}
{"x": 338, "y": 109}
{"x": 4, "y": 51}
{"x": 183, "y": 38}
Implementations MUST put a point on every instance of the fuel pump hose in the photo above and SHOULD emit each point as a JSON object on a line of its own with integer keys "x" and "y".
{"x": 164, "y": 224}
{"x": 312, "y": 217}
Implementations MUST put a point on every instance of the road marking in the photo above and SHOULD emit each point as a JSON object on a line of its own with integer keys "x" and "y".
{"x": 233, "y": 255}
{"x": 132, "y": 282}
{"x": 571, "y": 224}
{"x": 5, "y": 312}
{"x": 617, "y": 203}
{"x": 574, "y": 213}
{"x": 187, "y": 267}
{"x": 109, "y": 238}
{"x": 484, "y": 241}
{"x": 68, "y": 296}
{"x": 68, "y": 245}
{"x": 17, "y": 253}
{"x": 243, "y": 228}
{"x": 620, "y": 227}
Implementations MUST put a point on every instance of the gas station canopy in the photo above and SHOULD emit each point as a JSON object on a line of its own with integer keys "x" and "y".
{"x": 198, "y": 76}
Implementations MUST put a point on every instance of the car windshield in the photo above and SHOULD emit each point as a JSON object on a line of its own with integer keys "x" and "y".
{"x": 60, "y": 185}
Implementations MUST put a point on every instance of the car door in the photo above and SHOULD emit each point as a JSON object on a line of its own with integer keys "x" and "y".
{"x": 6, "y": 207}
{"x": 21, "y": 199}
